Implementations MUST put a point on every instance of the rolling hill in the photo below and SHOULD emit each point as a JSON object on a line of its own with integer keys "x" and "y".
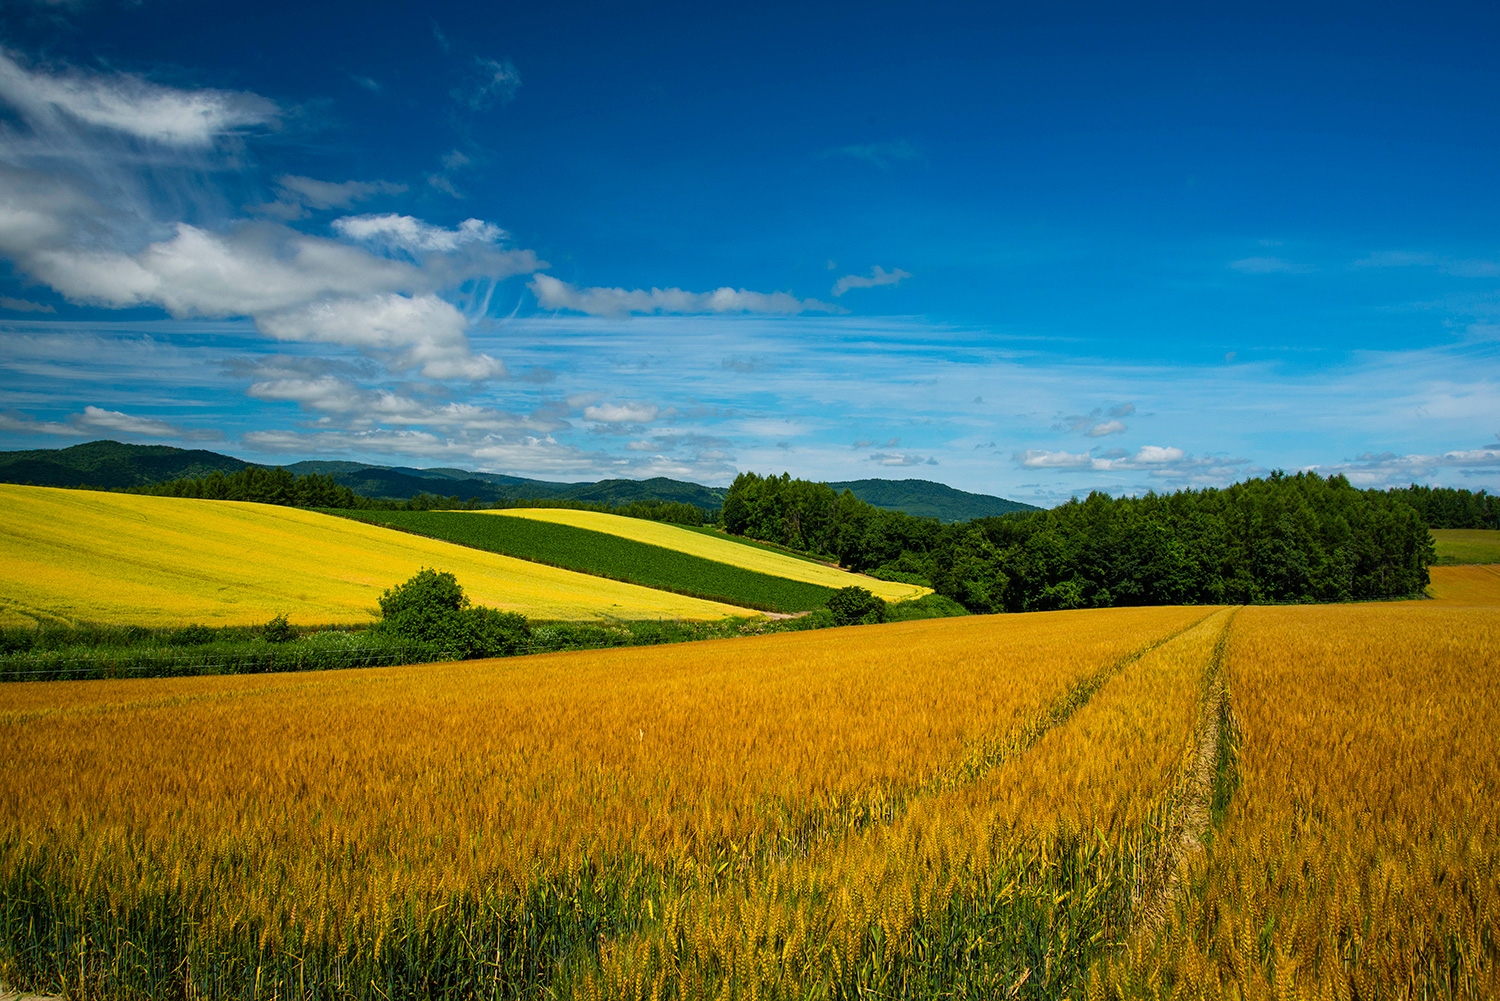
{"x": 76, "y": 555}
{"x": 111, "y": 465}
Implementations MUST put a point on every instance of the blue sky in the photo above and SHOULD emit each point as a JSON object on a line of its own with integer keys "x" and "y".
{"x": 1029, "y": 252}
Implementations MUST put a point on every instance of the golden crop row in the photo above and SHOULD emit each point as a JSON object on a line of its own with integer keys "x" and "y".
{"x": 1466, "y": 585}
{"x": 166, "y": 561}
{"x": 720, "y": 550}
{"x": 1358, "y": 857}
{"x": 547, "y": 801}
{"x": 1016, "y": 877}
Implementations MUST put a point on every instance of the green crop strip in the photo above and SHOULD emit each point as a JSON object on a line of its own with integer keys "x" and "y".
{"x": 605, "y": 555}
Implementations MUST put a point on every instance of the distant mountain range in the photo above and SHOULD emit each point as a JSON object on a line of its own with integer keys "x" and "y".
{"x": 111, "y": 465}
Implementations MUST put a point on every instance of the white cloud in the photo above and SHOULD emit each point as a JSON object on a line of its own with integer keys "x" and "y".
{"x": 96, "y": 420}
{"x": 121, "y": 423}
{"x": 1105, "y": 428}
{"x": 252, "y": 270}
{"x": 902, "y": 459}
{"x": 423, "y": 332}
{"x": 403, "y": 232}
{"x": 554, "y": 294}
{"x": 1158, "y": 460}
{"x": 130, "y": 105}
{"x": 621, "y": 413}
{"x": 879, "y": 276}
{"x": 1387, "y": 469}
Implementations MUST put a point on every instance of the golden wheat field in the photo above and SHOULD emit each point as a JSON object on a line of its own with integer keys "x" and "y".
{"x": 75, "y": 555}
{"x": 719, "y": 550}
{"x": 1271, "y": 802}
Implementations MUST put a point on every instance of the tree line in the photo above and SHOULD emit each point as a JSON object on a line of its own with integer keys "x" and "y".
{"x": 316, "y": 490}
{"x": 1282, "y": 538}
{"x": 1448, "y": 507}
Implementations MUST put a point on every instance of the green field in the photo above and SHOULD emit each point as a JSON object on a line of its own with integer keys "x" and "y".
{"x": 1457, "y": 546}
{"x": 607, "y": 555}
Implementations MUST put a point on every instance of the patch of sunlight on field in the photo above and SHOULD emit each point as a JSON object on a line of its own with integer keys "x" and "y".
{"x": 657, "y": 533}
{"x": 155, "y": 561}
{"x": 1466, "y": 545}
{"x": 1468, "y": 585}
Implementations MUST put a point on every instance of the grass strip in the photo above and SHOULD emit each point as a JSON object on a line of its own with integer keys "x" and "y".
{"x": 604, "y": 555}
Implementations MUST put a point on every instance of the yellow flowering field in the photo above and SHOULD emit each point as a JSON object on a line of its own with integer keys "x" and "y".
{"x": 77, "y": 555}
{"x": 656, "y": 533}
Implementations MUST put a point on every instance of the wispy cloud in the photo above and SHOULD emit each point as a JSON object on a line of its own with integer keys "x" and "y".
{"x": 1461, "y": 267}
{"x": 25, "y": 305}
{"x": 882, "y": 154}
{"x": 296, "y": 196}
{"x": 1268, "y": 266}
{"x": 554, "y": 294}
{"x": 879, "y": 276}
{"x": 493, "y": 81}
{"x": 129, "y": 105}
{"x": 97, "y": 420}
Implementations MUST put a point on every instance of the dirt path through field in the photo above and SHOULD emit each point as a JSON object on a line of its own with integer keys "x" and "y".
{"x": 1194, "y": 812}
{"x": 6, "y": 994}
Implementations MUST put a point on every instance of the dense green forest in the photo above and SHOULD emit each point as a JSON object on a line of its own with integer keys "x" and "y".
{"x": 320, "y": 490}
{"x": 1283, "y": 538}
{"x": 1446, "y": 507}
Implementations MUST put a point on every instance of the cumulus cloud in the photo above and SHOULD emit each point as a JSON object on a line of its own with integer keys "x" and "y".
{"x": 552, "y": 293}
{"x": 129, "y": 105}
{"x": 253, "y": 270}
{"x": 1090, "y": 423}
{"x": 621, "y": 413}
{"x": 878, "y": 276}
{"x": 404, "y": 232}
{"x": 1388, "y": 469}
{"x": 422, "y": 332}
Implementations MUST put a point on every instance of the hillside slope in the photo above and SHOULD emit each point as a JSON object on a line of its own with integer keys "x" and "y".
{"x": 160, "y": 561}
{"x": 111, "y": 465}
{"x": 719, "y": 550}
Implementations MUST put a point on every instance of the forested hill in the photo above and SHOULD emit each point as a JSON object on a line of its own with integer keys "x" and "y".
{"x": 111, "y": 465}
{"x": 925, "y": 499}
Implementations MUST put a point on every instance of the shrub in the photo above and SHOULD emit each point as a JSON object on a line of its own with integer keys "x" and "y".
{"x": 423, "y": 608}
{"x": 279, "y": 630}
{"x": 855, "y": 606}
{"x": 431, "y": 607}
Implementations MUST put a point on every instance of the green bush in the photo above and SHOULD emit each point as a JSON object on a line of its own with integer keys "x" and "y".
{"x": 431, "y": 607}
{"x": 485, "y": 632}
{"x": 856, "y": 606}
{"x": 279, "y": 630}
{"x": 423, "y": 608}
